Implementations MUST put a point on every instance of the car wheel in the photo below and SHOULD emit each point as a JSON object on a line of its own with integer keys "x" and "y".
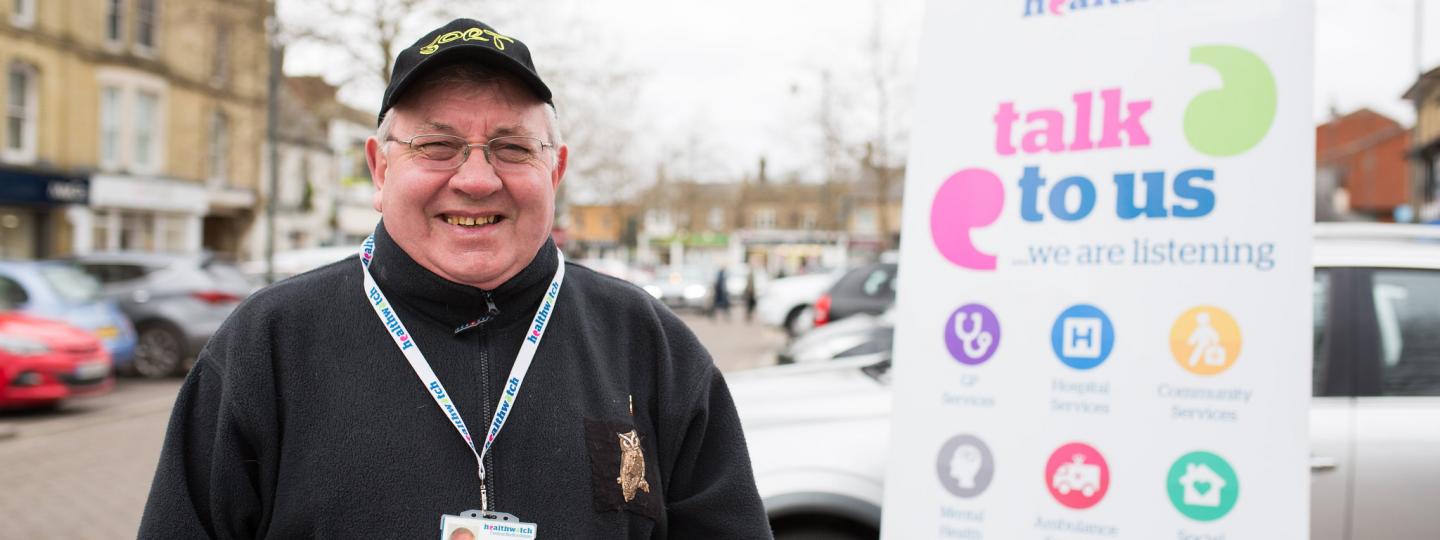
{"x": 800, "y": 320}
{"x": 158, "y": 351}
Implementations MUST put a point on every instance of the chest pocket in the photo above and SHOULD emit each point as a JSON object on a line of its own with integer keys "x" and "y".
{"x": 623, "y": 471}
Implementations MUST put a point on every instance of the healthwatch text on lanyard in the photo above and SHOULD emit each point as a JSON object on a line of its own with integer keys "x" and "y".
{"x": 406, "y": 342}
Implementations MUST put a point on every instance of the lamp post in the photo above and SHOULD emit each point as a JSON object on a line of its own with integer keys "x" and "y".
{"x": 272, "y": 140}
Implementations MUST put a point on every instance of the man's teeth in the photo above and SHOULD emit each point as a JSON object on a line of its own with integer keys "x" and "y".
{"x": 471, "y": 222}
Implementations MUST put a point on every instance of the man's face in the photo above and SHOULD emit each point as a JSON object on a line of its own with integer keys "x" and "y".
{"x": 420, "y": 205}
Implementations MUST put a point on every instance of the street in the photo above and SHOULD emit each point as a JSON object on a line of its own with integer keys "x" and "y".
{"x": 84, "y": 470}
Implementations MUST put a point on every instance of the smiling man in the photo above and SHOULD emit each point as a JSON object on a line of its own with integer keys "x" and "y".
{"x": 458, "y": 368}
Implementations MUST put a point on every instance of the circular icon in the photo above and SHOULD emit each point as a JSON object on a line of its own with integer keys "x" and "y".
{"x": 1202, "y": 486}
{"x": 1077, "y": 475}
{"x": 972, "y": 334}
{"x": 1205, "y": 340}
{"x": 965, "y": 466}
{"x": 1082, "y": 336}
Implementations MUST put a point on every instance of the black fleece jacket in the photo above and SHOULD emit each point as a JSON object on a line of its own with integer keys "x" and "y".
{"x": 302, "y": 419}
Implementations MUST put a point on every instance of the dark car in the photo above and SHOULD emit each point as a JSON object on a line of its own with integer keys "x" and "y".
{"x": 175, "y": 301}
{"x": 869, "y": 289}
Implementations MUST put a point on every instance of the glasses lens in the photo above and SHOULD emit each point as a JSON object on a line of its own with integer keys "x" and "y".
{"x": 515, "y": 150}
{"x": 438, "y": 150}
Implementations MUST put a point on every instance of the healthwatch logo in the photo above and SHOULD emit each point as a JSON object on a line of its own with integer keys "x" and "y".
{"x": 1219, "y": 122}
{"x": 1056, "y": 8}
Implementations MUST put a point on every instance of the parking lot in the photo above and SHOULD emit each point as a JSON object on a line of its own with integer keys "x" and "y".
{"x": 84, "y": 469}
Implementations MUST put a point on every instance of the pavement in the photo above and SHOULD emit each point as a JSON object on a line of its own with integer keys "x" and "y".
{"x": 84, "y": 470}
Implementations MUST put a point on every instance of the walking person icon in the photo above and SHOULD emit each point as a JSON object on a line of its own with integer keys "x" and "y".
{"x": 1205, "y": 340}
{"x": 1205, "y": 343}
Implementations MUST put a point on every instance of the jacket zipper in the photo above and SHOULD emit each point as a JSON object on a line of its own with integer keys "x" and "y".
{"x": 485, "y": 412}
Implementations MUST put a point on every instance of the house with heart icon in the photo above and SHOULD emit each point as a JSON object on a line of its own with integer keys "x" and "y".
{"x": 1202, "y": 485}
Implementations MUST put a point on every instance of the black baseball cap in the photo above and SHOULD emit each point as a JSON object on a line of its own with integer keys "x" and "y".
{"x": 462, "y": 41}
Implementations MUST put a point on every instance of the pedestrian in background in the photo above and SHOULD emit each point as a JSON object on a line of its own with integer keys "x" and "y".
{"x": 721, "y": 302}
{"x": 749, "y": 295}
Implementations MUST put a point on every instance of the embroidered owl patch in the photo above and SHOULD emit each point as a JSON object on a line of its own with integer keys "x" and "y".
{"x": 620, "y": 475}
{"x": 632, "y": 466}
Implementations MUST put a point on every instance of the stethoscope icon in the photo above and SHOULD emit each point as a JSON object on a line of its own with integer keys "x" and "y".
{"x": 974, "y": 340}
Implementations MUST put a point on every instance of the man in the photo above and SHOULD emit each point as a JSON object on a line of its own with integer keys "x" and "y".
{"x": 366, "y": 395}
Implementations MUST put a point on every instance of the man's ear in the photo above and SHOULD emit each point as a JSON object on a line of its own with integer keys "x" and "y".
{"x": 379, "y": 165}
{"x": 562, "y": 158}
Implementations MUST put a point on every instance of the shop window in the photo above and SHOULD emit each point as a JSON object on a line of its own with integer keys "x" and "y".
{"x": 1407, "y": 311}
{"x": 21, "y": 114}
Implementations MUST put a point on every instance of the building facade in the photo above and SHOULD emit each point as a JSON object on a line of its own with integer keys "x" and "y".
{"x": 1362, "y": 170}
{"x": 1425, "y": 147}
{"x": 131, "y": 124}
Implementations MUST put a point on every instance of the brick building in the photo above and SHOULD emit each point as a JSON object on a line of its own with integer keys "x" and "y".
{"x": 1361, "y": 158}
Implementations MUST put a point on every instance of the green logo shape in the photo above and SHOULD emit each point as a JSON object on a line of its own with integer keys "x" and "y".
{"x": 1202, "y": 486}
{"x": 1232, "y": 119}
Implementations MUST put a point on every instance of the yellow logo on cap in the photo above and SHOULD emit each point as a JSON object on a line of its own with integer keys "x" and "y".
{"x": 472, "y": 34}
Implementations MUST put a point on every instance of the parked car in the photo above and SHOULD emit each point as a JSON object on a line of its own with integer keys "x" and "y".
{"x": 44, "y": 362}
{"x": 867, "y": 289}
{"x": 59, "y": 291}
{"x": 819, "y": 465}
{"x": 175, "y": 301}
{"x": 297, "y": 261}
{"x": 683, "y": 287}
{"x": 857, "y": 336}
{"x": 789, "y": 303}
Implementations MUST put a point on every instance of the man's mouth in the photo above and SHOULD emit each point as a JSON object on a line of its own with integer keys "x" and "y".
{"x": 468, "y": 221}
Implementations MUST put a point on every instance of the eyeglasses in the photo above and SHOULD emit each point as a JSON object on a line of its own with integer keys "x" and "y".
{"x": 439, "y": 152}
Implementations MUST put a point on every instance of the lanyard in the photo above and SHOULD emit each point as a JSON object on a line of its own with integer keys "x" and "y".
{"x": 407, "y": 346}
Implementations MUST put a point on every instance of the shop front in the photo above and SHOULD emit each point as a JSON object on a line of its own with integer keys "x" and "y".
{"x": 33, "y": 222}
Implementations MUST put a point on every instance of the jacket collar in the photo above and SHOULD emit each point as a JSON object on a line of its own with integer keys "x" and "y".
{"x": 419, "y": 290}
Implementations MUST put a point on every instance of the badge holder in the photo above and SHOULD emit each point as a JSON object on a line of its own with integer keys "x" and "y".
{"x": 484, "y": 526}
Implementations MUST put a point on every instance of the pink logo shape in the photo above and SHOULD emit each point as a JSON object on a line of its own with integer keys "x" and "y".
{"x": 1055, "y": 6}
{"x": 1077, "y": 476}
{"x": 969, "y": 199}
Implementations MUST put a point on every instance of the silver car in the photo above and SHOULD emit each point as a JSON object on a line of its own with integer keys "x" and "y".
{"x": 1374, "y": 419}
{"x": 175, "y": 301}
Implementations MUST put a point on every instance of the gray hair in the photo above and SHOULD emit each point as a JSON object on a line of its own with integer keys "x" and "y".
{"x": 469, "y": 75}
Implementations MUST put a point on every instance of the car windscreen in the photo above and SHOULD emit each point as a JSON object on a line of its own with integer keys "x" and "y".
{"x": 72, "y": 284}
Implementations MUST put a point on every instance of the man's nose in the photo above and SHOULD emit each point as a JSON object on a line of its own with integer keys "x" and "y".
{"x": 476, "y": 177}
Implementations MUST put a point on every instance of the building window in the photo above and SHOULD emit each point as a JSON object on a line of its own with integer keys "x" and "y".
{"x": 110, "y": 127}
{"x": 21, "y": 104}
{"x": 22, "y": 13}
{"x": 764, "y": 218}
{"x": 114, "y": 21}
{"x": 146, "y": 147}
{"x": 717, "y": 218}
{"x": 808, "y": 220}
{"x": 145, "y": 24}
{"x": 866, "y": 222}
{"x": 219, "y": 149}
{"x": 220, "y": 63}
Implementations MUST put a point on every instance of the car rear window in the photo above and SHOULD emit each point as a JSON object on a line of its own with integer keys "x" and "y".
{"x": 868, "y": 281}
{"x": 72, "y": 284}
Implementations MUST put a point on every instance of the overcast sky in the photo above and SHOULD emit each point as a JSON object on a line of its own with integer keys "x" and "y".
{"x": 743, "y": 75}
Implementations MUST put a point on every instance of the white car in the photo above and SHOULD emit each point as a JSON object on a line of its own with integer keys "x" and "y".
{"x": 818, "y": 433}
{"x": 788, "y": 303}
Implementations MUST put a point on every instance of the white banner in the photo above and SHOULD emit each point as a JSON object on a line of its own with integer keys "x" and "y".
{"x": 1105, "y": 277}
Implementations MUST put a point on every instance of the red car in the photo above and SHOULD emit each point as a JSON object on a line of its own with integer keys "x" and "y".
{"x": 43, "y": 362}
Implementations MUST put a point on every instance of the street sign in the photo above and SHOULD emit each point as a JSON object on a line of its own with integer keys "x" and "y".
{"x": 1104, "y": 300}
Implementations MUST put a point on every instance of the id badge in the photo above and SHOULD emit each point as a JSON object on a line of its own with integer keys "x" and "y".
{"x": 477, "y": 525}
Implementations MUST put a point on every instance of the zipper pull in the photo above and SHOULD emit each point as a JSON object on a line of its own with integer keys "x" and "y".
{"x": 491, "y": 311}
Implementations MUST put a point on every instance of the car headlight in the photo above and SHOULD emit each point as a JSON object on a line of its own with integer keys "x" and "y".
{"x": 21, "y": 345}
{"x": 694, "y": 292}
{"x": 654, "y": 291}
